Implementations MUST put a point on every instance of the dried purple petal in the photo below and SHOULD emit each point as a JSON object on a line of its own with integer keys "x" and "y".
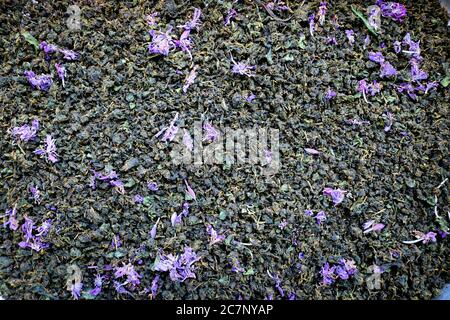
{"x": 50, "y": 150}
{"x": 320, "y": 217}
{"x": 153, "y": 230}
{"x": 387, "y": 70}
{"x": 42, "y": 82}
{"x": 180, "y": 268}
{"x": 214, "y": 236}
{"x": 69, "y": 54}
{"x": 350, "y": 34}
{"x": 376, "y": 57}
{"x": 230, "y": 15}
{"x": 48, "y": 49}
{"x": 162, "y": 42}
{"x": 195, "y": 22}
{"x": 243, "y": 69}
{"x": 61, "y": 70}
{"x": 26, "y": 132}
{"x": 190, "y": 79}
{"x": 395, "y": 11}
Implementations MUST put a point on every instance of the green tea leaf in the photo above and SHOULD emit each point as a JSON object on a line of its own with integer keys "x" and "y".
{"x": 30, "y": 39}
{"x": 445, "y": 82}
{"x": 366, "y": 22}
{"x": 249, "y": 272}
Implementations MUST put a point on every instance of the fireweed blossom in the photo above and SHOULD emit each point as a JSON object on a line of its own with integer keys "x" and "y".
{"x": 395, "y": 11}
{"x": 61, "y": 71}
{"x": 371, "y": 226}
{"x": 98, "y": 283}
{"x": 26, "y": 132}
{"x": 190, "y": 79}
{"x": 414, "y": 47}
{"x": 214, "y": 237}
{"x": 332, "y": 40}
{"x": 180, "y": 267}
{"x": 346, "y": 269}
{"x": 250, "y": 98}
{"x": 371, "y": 88}
{"x": 162, "y": 42}
{"x": 376, "y": 57}
{"x": 337, "y": 195}
{"x": 34, "y": 241}
{"x": 210, "y": 133}
{"x": 397, "y": 46}
{"x": 36, "y": 194}
{"x": 327, "y": 274}
{"x": 170, "y": 131}
{"x": 422, "y": 237}
{"x": 185, "y": 211}
{"x": 283, "y": 224}
{"x": 408, "y": 88}
{"x": 416, "y": 73}
{"x": 230, "y": 15}
{"x": 76, "y": 290}
{"x": 322, "y": 12}
{"x": 374, "y": 17}
{"x": 195, "y": 21}
{"x": 184, "y": 43}
{"x": 312, "y": 151}
{"x": 242, "y": 69}
{"x": 48, "y": 49}
{"x": 132, "y": 278}
{"x": 12, "y": 221}
{"x": 308, "y": 213}
{"x": 49, "y": 152}
{"x": 387, "y": 70}
{"x": 350, "y": 34}
{"x": 42, "y": 82}
{"x": 190, "y": 191}
{"x": 151, "y": 19}
{"x": 69, "y": 55}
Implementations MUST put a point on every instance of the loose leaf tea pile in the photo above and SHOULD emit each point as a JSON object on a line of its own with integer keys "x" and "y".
{"x": 93, "y": 207}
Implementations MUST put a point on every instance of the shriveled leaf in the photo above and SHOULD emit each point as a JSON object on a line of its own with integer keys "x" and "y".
{"x": 360, "y": 15}
{"x": 30, "y": 39}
